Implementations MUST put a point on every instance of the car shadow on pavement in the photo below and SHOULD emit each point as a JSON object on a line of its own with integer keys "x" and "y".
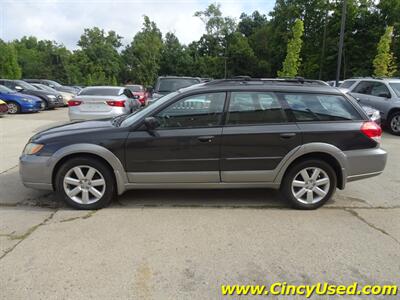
{"x": 228, "y": 198}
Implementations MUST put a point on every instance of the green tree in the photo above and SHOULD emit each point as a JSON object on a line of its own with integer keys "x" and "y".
{"x": 99, "y": 55}
{"x": 9, "y": 67}
{"x": 240, "y": 56}
{"x": 293, "y": 60}
{"x": 142, "y": 57}
{"x": 384, "y": 63}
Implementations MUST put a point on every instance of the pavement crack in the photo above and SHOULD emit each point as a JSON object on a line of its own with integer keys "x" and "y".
{"x": 9, "y": 169}
{"x": 371, "y": 225}
{"x": 87, "y": 216}
{"x": 25, "y": 235}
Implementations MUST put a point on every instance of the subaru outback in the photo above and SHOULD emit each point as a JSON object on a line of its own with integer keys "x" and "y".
{"x": 300, "y": 136}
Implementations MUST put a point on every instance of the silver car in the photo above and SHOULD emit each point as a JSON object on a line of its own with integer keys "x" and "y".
{"x": 98, "y": 102}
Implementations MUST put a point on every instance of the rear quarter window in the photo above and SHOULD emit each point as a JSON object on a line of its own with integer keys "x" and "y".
{"x": 321, "y": 107}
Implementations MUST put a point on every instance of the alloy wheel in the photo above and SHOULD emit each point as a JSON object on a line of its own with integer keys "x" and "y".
{"x": 12, "y": 108}
{"x": 84, "y": 184}
{"x": 395, "y": 124}
{"x": 310, "y": 185}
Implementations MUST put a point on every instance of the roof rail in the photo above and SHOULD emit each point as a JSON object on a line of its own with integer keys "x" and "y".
{"x": 248, "y": 80}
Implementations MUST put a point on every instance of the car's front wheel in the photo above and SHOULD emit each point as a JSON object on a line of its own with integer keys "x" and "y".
{"x": 394, "y": 123}
{"x": 13, "y": 108}
{"x": 85, "y": 183}
{"x": 309, "y": 184}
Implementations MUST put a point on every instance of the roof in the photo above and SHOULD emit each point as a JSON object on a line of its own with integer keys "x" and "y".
{"x": 263, "y": 84}
{"x": 387, "y": 79}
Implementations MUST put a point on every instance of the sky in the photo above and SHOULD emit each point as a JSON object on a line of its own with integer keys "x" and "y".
{"x": 64, "y": 20}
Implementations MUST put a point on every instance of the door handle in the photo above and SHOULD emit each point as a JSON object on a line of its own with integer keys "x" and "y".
{"x": 206, "y": 139}
{"x": 287, "y": 135}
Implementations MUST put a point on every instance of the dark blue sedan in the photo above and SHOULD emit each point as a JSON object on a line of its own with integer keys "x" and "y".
{"x": 20, "y": 103}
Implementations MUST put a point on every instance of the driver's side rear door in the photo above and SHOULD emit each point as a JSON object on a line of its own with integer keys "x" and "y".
{"x": 185, "y": 148}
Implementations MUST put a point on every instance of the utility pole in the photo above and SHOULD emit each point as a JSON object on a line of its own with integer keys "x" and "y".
{"x": 341, "y": 40}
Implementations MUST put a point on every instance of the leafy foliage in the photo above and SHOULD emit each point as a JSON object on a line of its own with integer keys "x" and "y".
{"x": 292, "y": 60}
{"x": 384, "y": 65}
{"x": 257, "y": 44}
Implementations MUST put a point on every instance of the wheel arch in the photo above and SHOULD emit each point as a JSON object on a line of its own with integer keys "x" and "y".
{"x": 90, "y": 150}
{"x": 326, "y": 152}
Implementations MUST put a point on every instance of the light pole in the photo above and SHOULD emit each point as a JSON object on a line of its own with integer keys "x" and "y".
{"x": 342, "y": 26}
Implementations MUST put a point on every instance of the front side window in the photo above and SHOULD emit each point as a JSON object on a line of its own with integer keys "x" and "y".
{"x": 254, "y": 108}
{"x": 319, "y": 107}
{"x": 379, "y": 90}
{"x": 364, "y": 87}
{"x": 203, "y": 110}
{"x": 396, "y": 87}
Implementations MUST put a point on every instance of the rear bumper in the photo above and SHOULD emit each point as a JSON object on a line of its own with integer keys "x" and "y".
{"x": 75, "y": 115}
{"x": 365, "y": 163}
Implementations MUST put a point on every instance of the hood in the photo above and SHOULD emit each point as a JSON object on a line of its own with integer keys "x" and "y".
{"x": 38, "y": 93}
{"x": 18, "y": 96}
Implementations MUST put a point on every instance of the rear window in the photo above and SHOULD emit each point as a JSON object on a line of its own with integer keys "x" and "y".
{"x": 319, "y": 107}
{"x": 135, "y": 88}
{"x": 347, "y": 84}
{"x": 100, "y": 92}
{"x": 174, "y": 84}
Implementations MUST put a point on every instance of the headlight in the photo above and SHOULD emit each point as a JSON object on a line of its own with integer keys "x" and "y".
{"x": 27, "y": 100}
{"x": 32, "y": 148}
{"x": 51, "y": 96}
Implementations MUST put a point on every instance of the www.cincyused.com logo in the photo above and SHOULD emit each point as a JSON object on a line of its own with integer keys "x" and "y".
{"x": 284, "y": 289}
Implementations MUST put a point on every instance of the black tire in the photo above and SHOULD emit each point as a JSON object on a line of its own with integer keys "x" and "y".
{"x": 291, "y": 175}
{"x": 393, "y": 129}
{"x": 100, "y": 166}
{"x": 16, "y": 108}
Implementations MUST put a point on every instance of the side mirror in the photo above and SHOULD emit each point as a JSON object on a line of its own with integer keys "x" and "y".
{"x": 51, "y": 85}
{"x": 384, "y": 95}
{"x": 151, "y": 123}
{"x": 18, "y": 88}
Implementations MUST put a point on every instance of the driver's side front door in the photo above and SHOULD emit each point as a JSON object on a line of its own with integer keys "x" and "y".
{"x": 185, "y": 148}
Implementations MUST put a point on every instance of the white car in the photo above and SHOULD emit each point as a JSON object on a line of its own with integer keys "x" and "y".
{"x": 99, "y": 102}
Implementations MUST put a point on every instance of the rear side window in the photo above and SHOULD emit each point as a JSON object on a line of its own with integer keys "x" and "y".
{"x": 254, "y": 108}
{"x": 347, "y": 84}
{"x": 319, "y": 107}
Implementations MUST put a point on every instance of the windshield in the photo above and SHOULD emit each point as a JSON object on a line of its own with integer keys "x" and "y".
{"x": 101, "y": 91}
{"x": 53, "y": 83}
{"x": 6, "y": 90}
{"x": 25, "y": 85}
{"x": 132, "y": 118}
{"x": 174, "y": 84}
{"x": 135, "y": 88}
{"x": 346, "y": 84}
{"x": 44, "y": 87}
{"x": 396, "y": 87}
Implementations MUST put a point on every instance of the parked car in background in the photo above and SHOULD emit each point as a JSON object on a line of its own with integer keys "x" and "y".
{"x": 65, "y": 96}
{"x": 98, "y": 102}
{"x": 382, "y": 94}
{"x": 3, "y": 107}
{"x": 20, "y": 103}
{"x": 304, "y": 138}
{"x": 168, "y": 84}
{"x": 333, "y": 83}
{"x": 55, "y": 85}
{"x": 139, "y": 91}
{"x": 50, "y": 100}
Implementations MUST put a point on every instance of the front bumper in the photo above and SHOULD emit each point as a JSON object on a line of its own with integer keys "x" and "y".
{"x": 35, "y": 171}
{"x": 365, "y": 163}
{"x": 31, "y": 107}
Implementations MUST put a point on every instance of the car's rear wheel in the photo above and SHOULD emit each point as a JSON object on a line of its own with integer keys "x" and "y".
{"x": 309, "y": 184}
{"x": 85, "y": 183}
{"x": 394, "y": 123}
{"x": 13, "y": 108}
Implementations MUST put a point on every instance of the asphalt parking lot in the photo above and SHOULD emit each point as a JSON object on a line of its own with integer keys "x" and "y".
{"x": 184, "y": 244}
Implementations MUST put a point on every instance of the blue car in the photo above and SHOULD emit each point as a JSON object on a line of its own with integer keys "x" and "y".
{"x": 19, "y": 103}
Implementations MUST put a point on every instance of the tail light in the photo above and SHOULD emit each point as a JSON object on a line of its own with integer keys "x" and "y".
{"x": 120, "y": 103}
{"x": 372, "y": 130}
{"x": 74, "y": 102}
